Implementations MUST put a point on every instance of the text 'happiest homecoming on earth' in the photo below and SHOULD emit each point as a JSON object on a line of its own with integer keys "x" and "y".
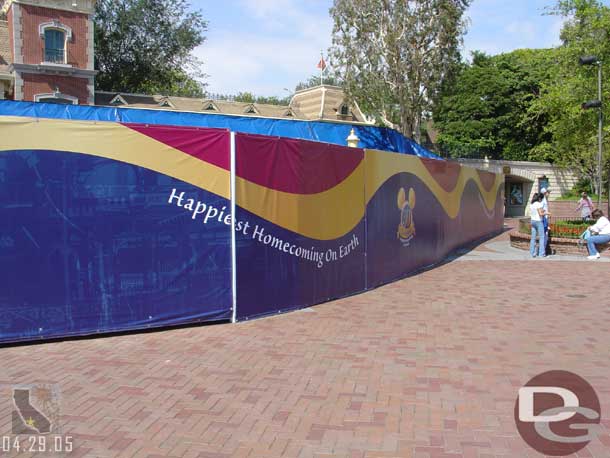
{"x": 209, "y": 213}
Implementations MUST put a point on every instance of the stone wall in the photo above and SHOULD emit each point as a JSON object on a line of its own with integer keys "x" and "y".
{"x": 560, "y": 245}
{"x": 561, "y": 180}
{"x": 566, "y": 208}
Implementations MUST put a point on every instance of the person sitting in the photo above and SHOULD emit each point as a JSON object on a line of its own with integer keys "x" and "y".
{"x": 600, "y": 233}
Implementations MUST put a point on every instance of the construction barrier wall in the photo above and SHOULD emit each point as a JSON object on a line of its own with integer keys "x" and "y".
{"x": 302, "y": 240}
{"x": 372, "y": 137}
{"x": 107, "y": 227}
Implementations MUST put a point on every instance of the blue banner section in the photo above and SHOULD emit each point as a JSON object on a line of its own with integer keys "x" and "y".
{"x": 408, "y": 229}
{"x": 389, "y": 255}
{"x": 89, "y": 244}
{"x": 371, "y": 137}
{"x": 278, "y": 270}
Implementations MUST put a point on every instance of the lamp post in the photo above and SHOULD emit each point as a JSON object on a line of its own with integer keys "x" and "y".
{"x": 352, "y": 139}
{"x": 593, "y": 60}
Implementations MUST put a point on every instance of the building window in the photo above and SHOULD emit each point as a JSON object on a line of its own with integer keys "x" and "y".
{"x": 543, "y": 183}
{"x": 250, "y": 109}
{"x": 344, "y": 110}
{"x": 55, "y": 46}
{"x": 210, "y": 107}
{"x": 516, "y": 194}
{"x": 56, "y": 36}
{"x": 118, "y": 100}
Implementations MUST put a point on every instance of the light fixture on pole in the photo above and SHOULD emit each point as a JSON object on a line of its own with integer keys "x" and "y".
{"x": 593, "y": 60}
{"x": 352, "y": 139}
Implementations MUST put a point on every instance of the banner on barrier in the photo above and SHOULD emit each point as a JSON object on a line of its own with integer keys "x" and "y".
{"x": 300, "y": 223}
{"x": 108, "y": 227}
{"x": 419, "y": 210}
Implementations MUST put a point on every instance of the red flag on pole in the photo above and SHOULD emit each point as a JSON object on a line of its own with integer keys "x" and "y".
{"x": 321, "y": 64}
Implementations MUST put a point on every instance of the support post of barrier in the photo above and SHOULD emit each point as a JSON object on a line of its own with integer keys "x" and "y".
{"x": 366, "y": 225}
{"x": 233, "y": 244}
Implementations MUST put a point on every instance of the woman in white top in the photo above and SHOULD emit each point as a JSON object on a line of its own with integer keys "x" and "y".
{"x": 601, "y": 233}
{"x": 536, "y": 214}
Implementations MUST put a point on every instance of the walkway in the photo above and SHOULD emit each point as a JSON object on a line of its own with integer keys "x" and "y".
{"x": 427, "y": 367}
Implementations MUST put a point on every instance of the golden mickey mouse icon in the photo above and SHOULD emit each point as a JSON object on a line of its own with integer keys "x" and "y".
{"x": 406, "y": 228}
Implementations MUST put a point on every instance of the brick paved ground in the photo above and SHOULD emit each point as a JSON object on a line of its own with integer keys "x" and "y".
{"x": 427, "y": 367}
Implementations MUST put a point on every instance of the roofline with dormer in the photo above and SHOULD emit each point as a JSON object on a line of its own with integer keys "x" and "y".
{"x": 82, "y": 6}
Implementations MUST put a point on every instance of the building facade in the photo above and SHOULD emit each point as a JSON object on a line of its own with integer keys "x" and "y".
{"x": 523, "y": 179}
{"x": 46, "y": 51}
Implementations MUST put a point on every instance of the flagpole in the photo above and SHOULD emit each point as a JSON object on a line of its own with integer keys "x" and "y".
{"x": 322, "y": 69}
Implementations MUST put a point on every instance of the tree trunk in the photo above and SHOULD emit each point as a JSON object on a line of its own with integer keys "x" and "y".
{"x": 406, "y": 123}
{"x": 417, "y": 130}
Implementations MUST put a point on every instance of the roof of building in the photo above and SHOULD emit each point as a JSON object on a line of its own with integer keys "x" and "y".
{"x": 325, "y": 102}
{"x": 195, "y": 105}
{"x": 5, "y": 50}
{"x": 73, "y": 6}
{"x": 305, "y": 105}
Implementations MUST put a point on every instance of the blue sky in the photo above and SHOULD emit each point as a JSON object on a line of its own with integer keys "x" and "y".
{"x": 268, "y": 46}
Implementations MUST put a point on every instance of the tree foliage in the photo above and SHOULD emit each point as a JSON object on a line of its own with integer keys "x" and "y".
{"x": 144, "y": 46}
{"x": 572, "y": 130}
{"x": 393, "y": 55}
{"x": 489, "y": 107}
{"x": 527, "y": 104}
{"x": 249, "y": 97}
{"x": 269, "y": 100}
{"x": 314, "y": 80}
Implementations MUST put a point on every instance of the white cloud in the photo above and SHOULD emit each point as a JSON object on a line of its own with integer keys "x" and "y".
{"x": 264, "y": 66}
{"x": 522, "y": 31}
{"x": 277, "y": 46}
{"x": 552, "y": 35}
{"x": 499, "y": 26}
{"x": 264, "y": 46}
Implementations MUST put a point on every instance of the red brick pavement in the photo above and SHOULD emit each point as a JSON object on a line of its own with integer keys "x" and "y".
{"x": 427, "y": 367}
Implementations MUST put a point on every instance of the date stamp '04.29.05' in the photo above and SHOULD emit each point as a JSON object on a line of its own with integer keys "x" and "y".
{"x": 35, "y": 425}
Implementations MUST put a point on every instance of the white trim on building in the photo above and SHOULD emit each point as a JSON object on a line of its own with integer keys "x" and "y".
{"x": 55, "y": 96}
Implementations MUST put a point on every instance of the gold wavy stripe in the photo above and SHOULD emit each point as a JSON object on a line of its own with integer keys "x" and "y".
{"x": 112, "y": 141}
{"x": 323, "y": 216}
{"x": 333, "y": 213}
{"x": 381, "y": 165}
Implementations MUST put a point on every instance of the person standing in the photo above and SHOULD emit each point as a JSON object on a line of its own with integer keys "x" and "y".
{"x": 585, "y": 205}
{"x": 545, "y": 195}
{"x": 600, "y": 233}
{"x": 536, "y": 215}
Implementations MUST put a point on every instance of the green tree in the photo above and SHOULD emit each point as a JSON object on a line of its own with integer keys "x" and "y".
{"x": 249, "y": 97}
{"x": 486, "y": 109}
{"x": 273, "y": 100}
{"x": 573, "y": 131}
{"x": 246, "y": 97}
{"x": 314, "y": 80}
{"x": 145, "y": 46}
{"x": 393, "y": 55}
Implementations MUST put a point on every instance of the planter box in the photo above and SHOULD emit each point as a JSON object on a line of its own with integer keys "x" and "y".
{"x": 560, "y": 245}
